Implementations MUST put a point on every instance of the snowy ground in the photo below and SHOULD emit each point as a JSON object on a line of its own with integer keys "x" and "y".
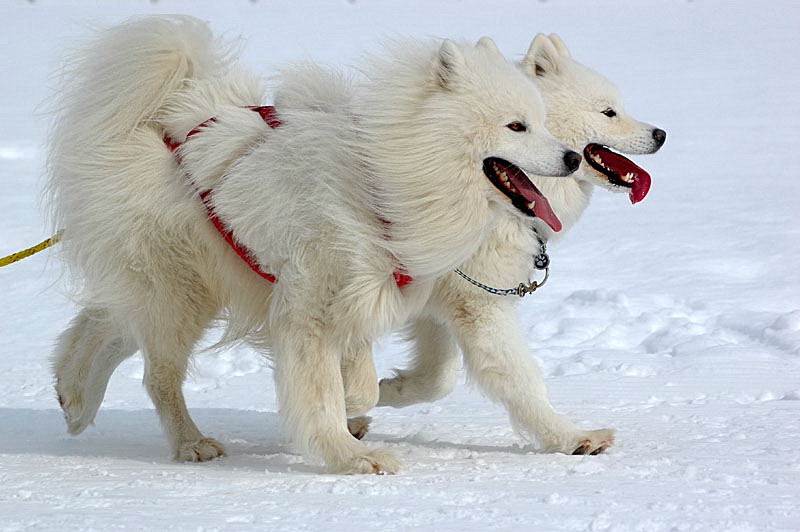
{"x": 676, "y": 322}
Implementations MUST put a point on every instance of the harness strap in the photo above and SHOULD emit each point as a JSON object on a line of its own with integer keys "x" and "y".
{"x": 270, "y": 116}
{"x": 240, "y": 250}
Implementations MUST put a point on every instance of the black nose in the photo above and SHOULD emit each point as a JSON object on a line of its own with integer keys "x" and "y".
{"x": 659, "y": 135}
{"x": 572, "y": 160}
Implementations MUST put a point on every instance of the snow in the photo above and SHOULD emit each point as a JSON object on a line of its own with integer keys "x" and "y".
{"x": 676, "y": 321}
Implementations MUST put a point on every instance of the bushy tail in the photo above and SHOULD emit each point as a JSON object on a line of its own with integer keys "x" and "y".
{"x": 121, "y": 78}
{"x": 112, "y": 87}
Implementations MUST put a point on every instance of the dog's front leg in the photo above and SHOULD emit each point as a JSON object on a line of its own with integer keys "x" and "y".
{"x": 433, "y": 371}
{"x": 360, "y": 388}
{"x": 360, "y": 380}
{"x": 312, "y": 401}
{"x": 431, "y": 375}
{"x": 496, "y": 356}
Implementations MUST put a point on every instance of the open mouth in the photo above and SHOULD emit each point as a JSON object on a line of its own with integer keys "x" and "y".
{"x": 515, "y": 185}
{"x": 619, "y": 170}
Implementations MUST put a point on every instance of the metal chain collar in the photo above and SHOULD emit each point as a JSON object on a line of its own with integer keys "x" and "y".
{"x": 541, "y": 261}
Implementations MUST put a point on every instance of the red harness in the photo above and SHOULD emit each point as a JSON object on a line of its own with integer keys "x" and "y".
{"x": 268, "y": 114}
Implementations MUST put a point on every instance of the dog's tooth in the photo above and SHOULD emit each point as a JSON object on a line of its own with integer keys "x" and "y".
{"x": 599, "y": 160}
{"x": 532, "y": 205}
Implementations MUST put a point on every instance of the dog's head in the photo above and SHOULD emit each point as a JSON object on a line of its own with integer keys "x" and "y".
{"x": 500, "y": 119}
{"x": 585, "y": 110}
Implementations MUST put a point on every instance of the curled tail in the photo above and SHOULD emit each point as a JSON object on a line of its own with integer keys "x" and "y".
{"x": 120, "y": 79}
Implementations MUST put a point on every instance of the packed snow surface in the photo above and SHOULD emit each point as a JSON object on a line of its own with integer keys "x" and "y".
{"x": 676, "y": 321}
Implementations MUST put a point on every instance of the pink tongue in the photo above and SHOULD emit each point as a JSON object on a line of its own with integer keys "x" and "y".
{"x": 541, "y": 207}
{"x": 543, "y": 211}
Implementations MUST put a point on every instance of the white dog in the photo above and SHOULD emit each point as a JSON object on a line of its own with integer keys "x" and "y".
{"x": 358, "y": 199}
{"x": 584, "y": 110}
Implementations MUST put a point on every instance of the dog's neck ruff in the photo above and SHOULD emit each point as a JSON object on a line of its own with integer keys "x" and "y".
{"x": 268, "y": 114}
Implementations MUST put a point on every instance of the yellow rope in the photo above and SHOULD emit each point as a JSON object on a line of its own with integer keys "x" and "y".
{"x": 25, "y": 253}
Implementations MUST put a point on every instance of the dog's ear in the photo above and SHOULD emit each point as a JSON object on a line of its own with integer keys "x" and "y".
{"x": 487, "y": 44}
{"x": 542, "y": 57}
{"x": 451, "y": 63}
{"x": 559, "y": 44}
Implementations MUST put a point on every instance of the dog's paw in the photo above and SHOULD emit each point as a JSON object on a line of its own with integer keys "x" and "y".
{"x": 593, "y": 442}
{"x": 581, "y": 442}
{"x": 72, "y": 405}
{"x": 359, "y": 426}
{"x": 371, "y": 463}
{"x": 199, "y": 451}
{"x": 391, "y": 392}
{"x": 395, "y": 384}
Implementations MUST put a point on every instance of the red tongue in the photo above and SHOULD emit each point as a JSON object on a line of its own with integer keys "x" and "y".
{"x": 541, "y": 207}
{"x": 622, "y": 165}
{"x": 641, "y": 185}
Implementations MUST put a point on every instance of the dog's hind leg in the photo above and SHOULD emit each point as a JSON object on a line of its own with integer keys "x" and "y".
{"x": 433, "y": 371}
{"x": 168, "y": 329}
{"x": 496, "y": 356}
{"x": 86, "y": 355}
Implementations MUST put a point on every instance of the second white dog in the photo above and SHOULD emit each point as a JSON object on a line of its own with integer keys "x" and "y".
{"x": 585, "y": 111}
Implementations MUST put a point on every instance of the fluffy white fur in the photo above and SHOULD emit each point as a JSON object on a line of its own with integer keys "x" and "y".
{"x": 405, "y": 145}
{"x": 486, "y": 327}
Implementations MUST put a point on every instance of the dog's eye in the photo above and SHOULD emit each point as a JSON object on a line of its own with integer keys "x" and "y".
{"x": 610, "y": 112}
{"x": 519, "y": 127}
